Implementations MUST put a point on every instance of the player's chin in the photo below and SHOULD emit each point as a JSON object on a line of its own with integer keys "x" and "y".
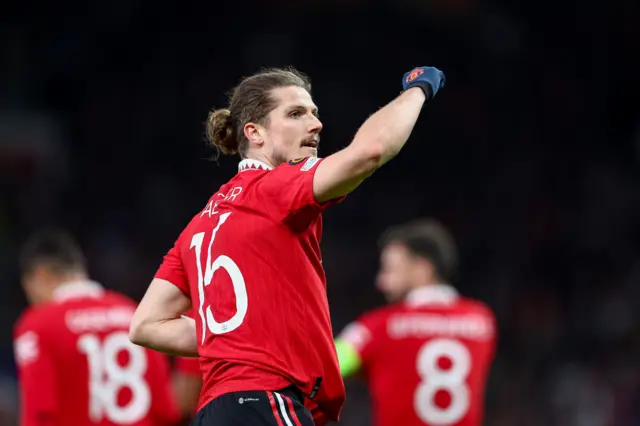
{"x": 307, "y": 151}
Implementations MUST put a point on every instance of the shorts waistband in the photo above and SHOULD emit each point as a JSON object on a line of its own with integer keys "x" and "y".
{"x": 292, "y": 391}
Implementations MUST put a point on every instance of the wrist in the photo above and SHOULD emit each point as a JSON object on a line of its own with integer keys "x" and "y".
{"x": 416, "y": 92}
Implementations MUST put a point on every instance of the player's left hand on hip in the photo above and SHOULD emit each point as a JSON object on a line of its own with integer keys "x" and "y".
{"x": 429, "y": 79}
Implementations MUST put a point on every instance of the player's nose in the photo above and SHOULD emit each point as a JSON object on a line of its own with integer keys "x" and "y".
{"x": 315, "y": 126}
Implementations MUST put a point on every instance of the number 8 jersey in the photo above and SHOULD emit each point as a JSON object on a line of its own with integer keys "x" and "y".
{"x": 251, "y": 264}
{"x": 426, "y": 359}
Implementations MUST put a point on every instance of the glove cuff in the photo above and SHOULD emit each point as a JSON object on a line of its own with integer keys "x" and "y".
{"x": 426, "y": 88}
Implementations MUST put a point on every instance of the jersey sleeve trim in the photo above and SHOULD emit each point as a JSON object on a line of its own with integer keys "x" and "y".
{"x": 312, "y": 165}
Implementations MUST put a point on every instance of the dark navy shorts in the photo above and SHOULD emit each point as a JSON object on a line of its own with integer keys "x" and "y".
{"x": 259, "y": 408}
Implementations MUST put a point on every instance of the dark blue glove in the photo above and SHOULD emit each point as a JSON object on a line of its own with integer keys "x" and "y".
{"x": 429, "y": 79}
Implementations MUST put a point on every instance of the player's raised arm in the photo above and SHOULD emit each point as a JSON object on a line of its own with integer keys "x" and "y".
{"x": 379, "y": 139}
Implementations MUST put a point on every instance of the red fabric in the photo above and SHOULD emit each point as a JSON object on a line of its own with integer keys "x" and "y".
{"x": 251, "y": 263}
{"x": 427, "y": 362}
{"x": 69, "y": 355}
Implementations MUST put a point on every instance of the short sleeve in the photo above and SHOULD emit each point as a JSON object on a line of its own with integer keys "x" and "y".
{"x": 288, "y": 190}
{"x": 360, "y": 335}
{"x": 36, "y": 375}
{"x": 172, "y": 269}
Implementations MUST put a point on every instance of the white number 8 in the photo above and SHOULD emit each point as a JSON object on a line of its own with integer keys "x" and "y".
{"x": 107, "y": 377}
{"x": 239, "y": 286}
{"x": 434, "y": 378}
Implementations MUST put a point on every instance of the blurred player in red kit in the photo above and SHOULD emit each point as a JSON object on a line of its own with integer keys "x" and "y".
{"x": 187, "y": 383}
{"x": 250, "y": 263}
{"x": 426, "y": 357}
{"x": 76, "y": 365}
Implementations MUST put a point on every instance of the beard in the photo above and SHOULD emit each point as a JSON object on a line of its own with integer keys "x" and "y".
{"x": 279, "y": 157}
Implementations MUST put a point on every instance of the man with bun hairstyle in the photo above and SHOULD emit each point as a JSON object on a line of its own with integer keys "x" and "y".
{"x": 249, "y": 262}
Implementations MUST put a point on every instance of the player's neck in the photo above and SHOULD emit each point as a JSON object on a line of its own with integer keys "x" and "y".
{"x": 441, "y": 292}
{"x": 60, "y": 282}
{"x": 70, "y": 278}
{"x": 258, "y": 156}
{"x": 45, "y": 290}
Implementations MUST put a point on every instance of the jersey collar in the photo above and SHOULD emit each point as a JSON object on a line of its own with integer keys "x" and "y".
{"x": 249, "y": 164}
{"x": 432, "y": 294}
{"x": 77, "y": 289}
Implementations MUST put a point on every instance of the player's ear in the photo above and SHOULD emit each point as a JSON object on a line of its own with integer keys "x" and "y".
{"x": 427, "y": 269}
{"x": 254, "y": 133}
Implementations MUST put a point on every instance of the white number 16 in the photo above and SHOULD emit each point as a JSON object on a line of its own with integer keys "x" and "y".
{"x": 204, "y": 279}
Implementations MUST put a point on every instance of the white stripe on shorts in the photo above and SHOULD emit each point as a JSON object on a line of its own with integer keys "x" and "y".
{"x": 283, "y": 409}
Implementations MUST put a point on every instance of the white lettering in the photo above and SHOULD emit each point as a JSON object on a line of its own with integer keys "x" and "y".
{"x": 98, "y": 319}
{"x": 425, "y": 325}
{"x": 215, "y": 206}
{"x": 26, "y": 348}
{"x": 207, "y": 209}
{"x": 231, "y": 196}
{"x": 212, "y": 206}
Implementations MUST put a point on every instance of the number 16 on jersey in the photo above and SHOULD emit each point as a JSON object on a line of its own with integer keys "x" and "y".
{"x": 204, "y": 279}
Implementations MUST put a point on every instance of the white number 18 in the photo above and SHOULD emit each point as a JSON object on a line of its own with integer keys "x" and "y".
{"x": 107, "y": 377}
{"x": 204, "y": 279}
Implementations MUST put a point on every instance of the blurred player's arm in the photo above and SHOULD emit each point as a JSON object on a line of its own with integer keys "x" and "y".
{"x": 158, "y": 322}
{"x": 187, "y": 383}
{"x": 37, "y": 380}
{"x": 164, "y": 409}
{"x": 378, "y": 140}
{"x": 354, "y": 346}
{"x": 187, "y": 391}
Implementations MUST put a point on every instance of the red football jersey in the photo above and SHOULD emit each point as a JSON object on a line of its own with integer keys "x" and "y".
{"x": 188, "y": 366}
{"x": 250, "y": 261}
{"x": 76, "y": 365}
{"x": 426, "y": 359}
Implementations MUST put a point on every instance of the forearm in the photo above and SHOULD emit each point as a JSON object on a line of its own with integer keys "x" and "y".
{"x": 379, "y": 139}
{"x": 158, "y": 323}
{"x": 386, "y": 131}
{"x": 187, "y": 391}
{"x": 172, "y": 336}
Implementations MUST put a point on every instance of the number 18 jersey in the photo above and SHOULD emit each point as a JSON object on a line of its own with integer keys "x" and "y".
{"x": 426, "y": 359}
{"x": 77, "y": 367}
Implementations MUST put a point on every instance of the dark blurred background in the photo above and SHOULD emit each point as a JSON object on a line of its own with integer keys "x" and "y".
{"x": 530, "y": 155}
